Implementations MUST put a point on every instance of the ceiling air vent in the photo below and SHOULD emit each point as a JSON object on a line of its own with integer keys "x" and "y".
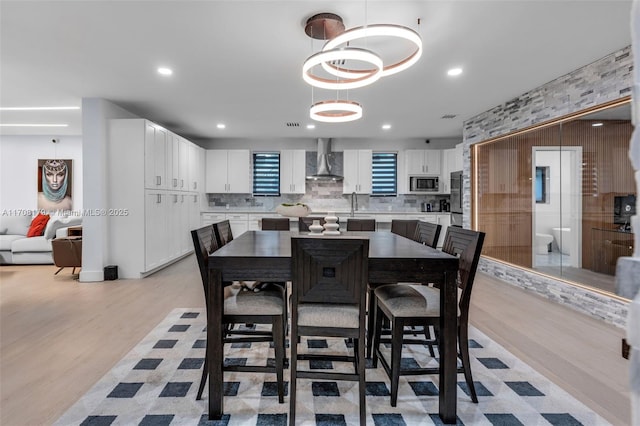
{"x": 449, "y": 116}
{"x": 293, "y": 124}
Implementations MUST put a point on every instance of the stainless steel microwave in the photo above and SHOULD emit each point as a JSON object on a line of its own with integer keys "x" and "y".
{"x": 424, "y": 184}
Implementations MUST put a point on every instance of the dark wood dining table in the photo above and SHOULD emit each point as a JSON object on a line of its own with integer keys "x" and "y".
{"x": 266, "y": 256}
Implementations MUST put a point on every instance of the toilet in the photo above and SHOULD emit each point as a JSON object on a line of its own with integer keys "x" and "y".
{"x": 542, "y": 243}
{"x": 563, "y": 239}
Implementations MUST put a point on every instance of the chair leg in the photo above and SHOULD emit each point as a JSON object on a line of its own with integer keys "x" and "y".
{"x": 427, "y": 335}
{"x": 378, "y": 333}
{"x": 397, "y": 332}
{"x": 59, "y": 270}
{"x": 293, "y": 367}
{"x": 463, "y": 343}
{"x": 203, "y": 379}
{"x": 371, "y": 307}
{"x": 362, "y": 383}
{"x": 278, "y": 346}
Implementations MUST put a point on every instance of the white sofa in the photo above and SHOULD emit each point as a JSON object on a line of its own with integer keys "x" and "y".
{"x": 17, "y": 248}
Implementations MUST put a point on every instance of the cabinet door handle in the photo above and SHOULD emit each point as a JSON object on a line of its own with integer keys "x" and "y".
{"x": 158, "y": 198}
{"x": 195, "y": 185}
{"x": 195, "y": 198}
{"x": 181, "y": 183}
{"x": 175, "y": 182}
{"x": 158, "y": 180}
{"x": 175, "y": 199}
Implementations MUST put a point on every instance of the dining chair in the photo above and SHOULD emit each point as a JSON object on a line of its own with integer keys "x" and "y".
{"x": 361, "y": 224}
{"x": 329, "y": 280}
{"x": 275, "y": 224}
{"x": 404, "y": 227}
{"x": 223, "y": 232}
{"x": 419, "y": 305}
{"x": 304, "y": 222}
{"x": 427, "y": 233}
{"x": 263, "y": 307}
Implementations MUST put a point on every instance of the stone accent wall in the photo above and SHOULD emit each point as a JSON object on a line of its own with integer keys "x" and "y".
{"x": 604, "y": 80}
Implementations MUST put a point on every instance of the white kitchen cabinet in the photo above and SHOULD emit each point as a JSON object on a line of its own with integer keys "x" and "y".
{"x": 423, "y": 162}
{"x": 458, "y": 163}
{"x": 183, "y": 169}
{"x": 154, "y": 231}
{"x": 357, "y": 171}
{"x": 228, "y": 171}
{"x": 293, "y": 171}
{"x": 155, "y": 154}
{"x": 195, "y": 168}
{"x": 239, "y": 223}
{"x": 156, "y": 244}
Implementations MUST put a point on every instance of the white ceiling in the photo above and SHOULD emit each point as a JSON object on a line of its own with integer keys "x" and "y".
{"x": 239, "y": 62}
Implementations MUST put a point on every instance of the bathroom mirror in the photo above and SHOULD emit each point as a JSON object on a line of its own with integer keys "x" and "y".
{"x": 557, "y": 198}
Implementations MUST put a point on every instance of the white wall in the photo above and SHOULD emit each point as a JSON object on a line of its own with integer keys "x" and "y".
{"x": 96, "y": 114}
{"x": 558, "y": 212}
{"x": 19, "y": 157}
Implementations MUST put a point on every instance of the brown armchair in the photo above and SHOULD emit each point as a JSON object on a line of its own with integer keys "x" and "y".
{"x": 67, "y": 253}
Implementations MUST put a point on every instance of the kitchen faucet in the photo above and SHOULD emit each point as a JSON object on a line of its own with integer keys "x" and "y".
{"x": 354, "y": 198}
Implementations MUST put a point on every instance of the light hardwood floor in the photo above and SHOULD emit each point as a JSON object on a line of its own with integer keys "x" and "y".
{"x": 59, "y": 336}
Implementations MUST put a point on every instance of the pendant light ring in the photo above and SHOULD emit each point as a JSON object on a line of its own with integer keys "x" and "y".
{"x": 340, "y": 54}
{"x": 384, "y": 30}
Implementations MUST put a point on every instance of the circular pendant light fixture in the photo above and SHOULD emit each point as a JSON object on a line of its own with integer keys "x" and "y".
{"x": 346, "y": 53}
{"x": 376, "y": 30}
{"x": 336, "y": 111}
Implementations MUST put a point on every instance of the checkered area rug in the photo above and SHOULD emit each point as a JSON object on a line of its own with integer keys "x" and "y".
{"x": 156, "y": 384}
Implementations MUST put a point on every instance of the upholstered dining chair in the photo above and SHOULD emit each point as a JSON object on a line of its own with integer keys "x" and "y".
{"x": 329, "y": 280}
{"x": 361, "y": 224}
{"x": 427, "y": 233}
{"x": 263, "y": 307}
{"x": 305, "y": 222}
{"x": 404, "y": 227}
{"x": 275, "y": 224}
{"x": 419, "y": 305}
{"x": 223, "y": 232}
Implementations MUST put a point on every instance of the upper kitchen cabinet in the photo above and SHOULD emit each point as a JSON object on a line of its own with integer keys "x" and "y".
{"x": 451, "y": 162}
{"x": 195, "y": 170}
{"x": 228, "y": 171}
{"x": 292, "y": 171}
{"x": 423, "y": 161}
{"x": 155, "y": 154}
{"x": 357, "y": 171}
{"x": 179, "y": 163}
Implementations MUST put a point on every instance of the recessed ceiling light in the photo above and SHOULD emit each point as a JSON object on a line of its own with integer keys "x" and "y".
{"x": 38, "y": 108}
{"x": 165, "y": 71}
{"x": 454, "y": 71}
{"x": 386, "y": 126}
{"x": 311, "y": 126}
{"x": 221, "y": 126}
{"x": 32, "y": 125}
{"x": 597, "y": 124}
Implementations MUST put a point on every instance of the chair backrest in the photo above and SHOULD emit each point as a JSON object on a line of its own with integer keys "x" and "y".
{"x": 223, "y": 232}
{"x": 304, "y": 222}
{"x": 467, "y": 245}
{"x": 361, "y": 224}
{"x": 329, "y": 270}
{"x": 427, "y": 233}
{"x": 204, "y": 243}
{"x": 275, "y": 224}
{"x": 404, "y": 227}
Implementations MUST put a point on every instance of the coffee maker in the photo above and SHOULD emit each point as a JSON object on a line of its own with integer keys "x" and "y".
{"x": 444, "y": 205}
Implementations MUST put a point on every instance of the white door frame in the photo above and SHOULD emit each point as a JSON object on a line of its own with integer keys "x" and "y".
{"x": 575, "y": 216}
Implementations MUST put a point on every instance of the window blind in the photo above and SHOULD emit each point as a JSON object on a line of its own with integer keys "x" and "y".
{"x": 266, "y": 173}
{"x": 384, "y": 176}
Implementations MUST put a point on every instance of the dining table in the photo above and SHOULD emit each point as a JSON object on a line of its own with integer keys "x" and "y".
{"x": 266, "y": 256}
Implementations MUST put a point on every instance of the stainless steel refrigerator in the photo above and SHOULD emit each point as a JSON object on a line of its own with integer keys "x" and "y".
{"x": 456, "y": 199}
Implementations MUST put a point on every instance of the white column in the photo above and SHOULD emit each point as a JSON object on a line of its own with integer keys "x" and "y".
{"x": 96, "y": 114}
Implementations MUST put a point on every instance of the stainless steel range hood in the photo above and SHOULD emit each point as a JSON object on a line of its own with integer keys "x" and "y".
{"x": 324, "y": 166}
